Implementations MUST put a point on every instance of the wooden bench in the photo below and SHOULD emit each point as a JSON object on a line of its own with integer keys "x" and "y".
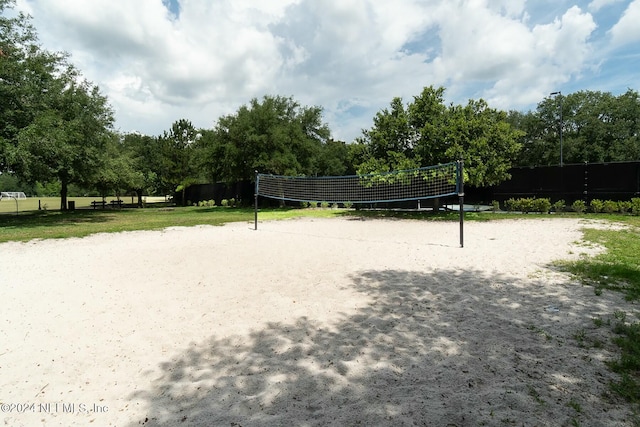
{"x": 97, "y": 203}
{"x": 117, "y": 203}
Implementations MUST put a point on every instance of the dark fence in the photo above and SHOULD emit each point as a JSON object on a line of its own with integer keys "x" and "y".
{"x": 586, "y": 181}
{"x": 242, "y": 192}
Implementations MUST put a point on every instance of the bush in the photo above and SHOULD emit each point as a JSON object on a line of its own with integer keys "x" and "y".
{"x": 579, "y": 206}
{"x": 526, "y": 204}
{"x": 347, "y": 205}
{"x": 495, "y": 206}
{"x": 560, "y": 205}
{"x": 609, "y": 206}
{"x": 596, "y": 205}
{"x": 510, "y": 205}
{"x": 624, "y": 206}
{"x": 635, "y": 206}
{"x": 541, "y": 205}
{"x": 224, "y": 202}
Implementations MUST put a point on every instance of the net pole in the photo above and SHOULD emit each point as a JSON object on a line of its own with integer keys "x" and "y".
{"x": 255, "y": 202}
{"x": 461, "y": 199}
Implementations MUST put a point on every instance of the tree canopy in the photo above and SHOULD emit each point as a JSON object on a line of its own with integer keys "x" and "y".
{"x": 427, "y": 132}
{"x": 55, "y": 124}
{"x": 596, "y": 127}
{"x": 273, "y": 135}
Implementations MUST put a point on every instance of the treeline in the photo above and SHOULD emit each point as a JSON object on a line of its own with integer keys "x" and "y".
{"x": 56, "y": 134}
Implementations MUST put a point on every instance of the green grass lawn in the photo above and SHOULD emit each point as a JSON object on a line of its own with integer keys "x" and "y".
{"x": 31, "y": 204}
{"x": 617, "y": 269}
{"x": 83, "y": 222}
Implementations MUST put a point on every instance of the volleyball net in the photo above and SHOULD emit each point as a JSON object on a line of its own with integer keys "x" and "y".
{"x": 416, "y": 184}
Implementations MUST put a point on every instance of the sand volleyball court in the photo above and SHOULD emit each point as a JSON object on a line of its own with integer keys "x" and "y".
{"x": 308, "y": 322}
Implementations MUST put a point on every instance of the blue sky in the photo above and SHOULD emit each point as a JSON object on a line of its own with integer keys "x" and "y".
{"x": 163, "y": 60}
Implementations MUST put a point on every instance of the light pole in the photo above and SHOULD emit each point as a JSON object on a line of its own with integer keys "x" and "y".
{"x": 559, "y": 94}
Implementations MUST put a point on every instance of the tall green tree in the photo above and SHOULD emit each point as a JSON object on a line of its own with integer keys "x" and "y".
{"x": 596, "y": 127}
{"x": 178, "y": 146}
{"x": 118, "y": 172}
{"x": 66, "y": 139}
{"x": 483, "y": 139}
{"x": 53, "y": 123}
{"x": 147, "y": 160}
{"x": 27, "y": 73}
{"x": 272, "y": 135}
{"x": 427, "y": 132}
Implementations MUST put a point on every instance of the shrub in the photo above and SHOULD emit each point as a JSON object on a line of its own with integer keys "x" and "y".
{"x": 541, "y": 205}
{"x": 510, "y": 204}
{"x": 232, "y": 202}
{"x": 579, "y": 206}
{"x": 224, "y": 202}
{"x": 347, "y": 205}
{"x": 609, "y": 206}
{"x": 526, "y": 204}
{"x": 324, "y": 205}
{"x": 624, "y": 206}
{"x": 211, "y": 203}
{"x": 495, "y": 206}
{"x": 560, "y": 205}
{"x": 635, "y": 206}
{"x": 596, "y": 205}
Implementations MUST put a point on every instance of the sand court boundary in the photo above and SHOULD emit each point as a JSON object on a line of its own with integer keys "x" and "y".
{"x": 307, "y": 322}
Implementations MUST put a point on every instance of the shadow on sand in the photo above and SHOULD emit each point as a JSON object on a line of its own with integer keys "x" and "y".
{"x": 455, "y": 348}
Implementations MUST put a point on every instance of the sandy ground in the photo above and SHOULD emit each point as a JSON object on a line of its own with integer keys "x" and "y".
{"x": 307, "y": 323}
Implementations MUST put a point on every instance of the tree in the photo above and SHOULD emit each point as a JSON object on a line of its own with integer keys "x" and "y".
{"x": 596, "y": 127}
{"x": 53, "y": 123}
{"x": 483, "y": 139}
{"x": 146, "y": 158}
{"x": 118, "y": 171}
{"x": 26, "y": 74}
{"x": 67, "y": 137}
{"x": 427, "y": 132}
{"x": 178, "y": 147}
{"x": 275, "y": 135}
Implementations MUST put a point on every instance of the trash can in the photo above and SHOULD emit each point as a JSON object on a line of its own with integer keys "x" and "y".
{"x": 72, "y": 205}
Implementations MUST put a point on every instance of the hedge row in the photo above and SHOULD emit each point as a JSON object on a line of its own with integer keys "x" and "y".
{"x": 544, "y": 205}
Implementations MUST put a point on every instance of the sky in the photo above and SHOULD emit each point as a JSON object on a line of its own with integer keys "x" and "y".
{"x": 159, "y": 61}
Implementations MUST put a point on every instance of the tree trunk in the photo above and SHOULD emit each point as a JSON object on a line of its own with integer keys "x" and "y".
{"x": 63, "y": 194}
{"x": 139, "y": 193}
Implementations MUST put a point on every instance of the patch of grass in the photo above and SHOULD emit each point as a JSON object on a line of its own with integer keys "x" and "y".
{"x": 536, "y": 396}
{"x": 598, "y": 321}
{"x": 580, "y": 336}
{"x": 628, "y": 365}
{"x": 540, "y": 331}
{"x": 83, "y": 222}
{"x": 618, "y": 269}
{"x": 575, "y": 405}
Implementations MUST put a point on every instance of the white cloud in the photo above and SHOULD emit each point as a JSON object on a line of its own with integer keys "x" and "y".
{"x": 349, "y": 56}
{"x": 627, "y": 29}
